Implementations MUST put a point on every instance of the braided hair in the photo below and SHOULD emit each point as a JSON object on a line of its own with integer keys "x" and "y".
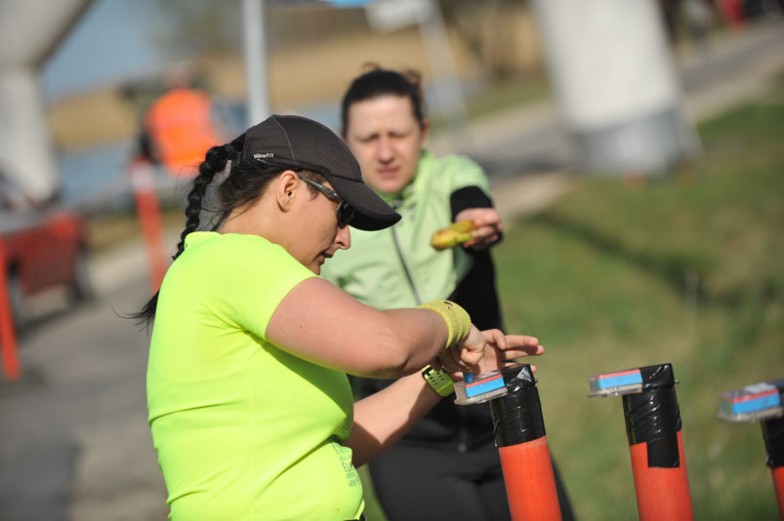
{"x": 245, "y": 183}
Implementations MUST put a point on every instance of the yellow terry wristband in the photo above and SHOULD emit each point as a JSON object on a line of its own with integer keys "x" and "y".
{"x": 458, "y": 323}
{"x": 439, "y": 381}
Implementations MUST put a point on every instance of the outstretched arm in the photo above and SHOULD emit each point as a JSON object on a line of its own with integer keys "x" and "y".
{"x": 471, "y": 203}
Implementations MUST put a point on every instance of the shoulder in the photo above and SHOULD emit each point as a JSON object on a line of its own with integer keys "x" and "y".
{"x": 430, "y": 161}
{"x": 239, "y": 267}
{"x": 457, "y": 170}
{"x": 224, "y": 243}
{"x": 222, "y": 253}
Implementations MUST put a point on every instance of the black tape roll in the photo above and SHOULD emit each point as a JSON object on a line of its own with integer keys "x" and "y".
{"x": 654, "y": 417}
{"x": 773, "y": 433}
{"x": 517, "y": 416}
{"x": 654, "y": 376}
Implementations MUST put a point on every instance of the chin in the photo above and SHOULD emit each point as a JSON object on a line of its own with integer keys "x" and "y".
{"x": 391, "y": 187}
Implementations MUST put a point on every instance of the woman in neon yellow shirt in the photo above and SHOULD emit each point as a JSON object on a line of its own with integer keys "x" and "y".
{"x": 249, "y": 404}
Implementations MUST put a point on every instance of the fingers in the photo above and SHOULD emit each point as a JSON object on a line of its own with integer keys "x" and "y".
{"x": 449, "y": 362}
{"x": 508, "y": 349}
{"x": 496, "y": 337}
{"x": 522, "y": 340}
{"x": 473, "y": 354}
{"x": 484, "y": 237}
{"x": 488, "y": 227}
{"x": 520, "y": 345}
{"x": 468, "y": 353}
{"x": 504, "y": 341}
{"x": 482, "y": 217}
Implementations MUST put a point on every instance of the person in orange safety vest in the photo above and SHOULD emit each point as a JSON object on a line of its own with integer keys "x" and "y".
{"x": 180, "y": 128}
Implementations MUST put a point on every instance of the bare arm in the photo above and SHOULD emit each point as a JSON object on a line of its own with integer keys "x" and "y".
{"x": 321, "y": 323}
{"x": 383, "y": 417}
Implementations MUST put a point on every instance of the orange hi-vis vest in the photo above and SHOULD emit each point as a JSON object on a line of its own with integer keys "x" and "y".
{"x": 182, "y": 129}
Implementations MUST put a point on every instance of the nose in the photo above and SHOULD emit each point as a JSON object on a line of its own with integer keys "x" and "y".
{"x": 343, "y": 238}
{"x": 385, "y": 152}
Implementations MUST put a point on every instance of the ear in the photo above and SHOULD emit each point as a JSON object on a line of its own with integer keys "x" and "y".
{"x": 425, "y": 130}
{"x": 286, "y": 190}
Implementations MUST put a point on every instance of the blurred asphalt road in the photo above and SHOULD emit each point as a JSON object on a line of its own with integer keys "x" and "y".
{"x": 74, "y": 442}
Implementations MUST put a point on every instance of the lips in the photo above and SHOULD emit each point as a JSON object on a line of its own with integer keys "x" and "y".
{"x": 387, "y": 172}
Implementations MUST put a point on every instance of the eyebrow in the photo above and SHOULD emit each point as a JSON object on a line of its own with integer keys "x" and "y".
{"x": 376, "y": 133}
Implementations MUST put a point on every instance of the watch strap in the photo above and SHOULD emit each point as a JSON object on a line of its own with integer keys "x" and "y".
{"x": 439, "y": 381}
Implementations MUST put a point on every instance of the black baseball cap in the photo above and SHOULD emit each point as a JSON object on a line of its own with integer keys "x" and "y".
{"x": 300, "y": 143}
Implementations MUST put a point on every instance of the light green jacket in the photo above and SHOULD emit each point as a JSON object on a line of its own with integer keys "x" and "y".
{"x": 396, "y": 267}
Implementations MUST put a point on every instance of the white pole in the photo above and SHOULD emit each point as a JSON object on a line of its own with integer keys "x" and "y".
{"x": 30, "y": 32}
{"x": 616, "y": 84}
{"x": 446, "y": 81}
{"x": 26, "y": 153}
{"x": 255, "y": 61}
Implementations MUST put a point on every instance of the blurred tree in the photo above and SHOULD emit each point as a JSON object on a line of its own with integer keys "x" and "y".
{"x": 489, "y": 30}
{"x": 215, "y": 26}
{"x": 199, "y": 26}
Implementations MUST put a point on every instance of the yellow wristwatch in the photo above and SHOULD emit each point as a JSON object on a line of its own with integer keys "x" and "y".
{"x": 439, "y": 381}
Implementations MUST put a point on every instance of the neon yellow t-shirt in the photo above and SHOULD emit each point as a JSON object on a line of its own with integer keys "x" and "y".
{"x": 243, "y": 430}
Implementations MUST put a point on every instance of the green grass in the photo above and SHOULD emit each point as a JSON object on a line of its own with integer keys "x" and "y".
{"x": 686, "y": 269}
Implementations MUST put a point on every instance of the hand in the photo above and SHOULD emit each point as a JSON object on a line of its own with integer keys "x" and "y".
{"x": 464, "y": 356}
{"x": 503, "y": 350}
{"x": 489, "y": 227}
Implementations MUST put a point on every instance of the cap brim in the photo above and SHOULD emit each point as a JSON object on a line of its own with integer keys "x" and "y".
{"x": 372, "y": 212}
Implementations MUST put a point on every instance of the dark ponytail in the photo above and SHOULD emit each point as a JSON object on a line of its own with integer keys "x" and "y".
{"x": 215, "y": 161}
{"x": 245, "y": 183}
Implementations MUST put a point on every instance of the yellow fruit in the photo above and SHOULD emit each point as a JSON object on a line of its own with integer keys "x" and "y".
{"x": 456, "y": 233}
{"x": 463, "y": 226}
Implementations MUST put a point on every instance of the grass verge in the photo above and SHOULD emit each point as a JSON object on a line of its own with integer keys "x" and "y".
{"x": 686, "y": 269}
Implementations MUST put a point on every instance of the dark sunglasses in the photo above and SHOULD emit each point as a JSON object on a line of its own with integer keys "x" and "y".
{"x": 345, "y": 212}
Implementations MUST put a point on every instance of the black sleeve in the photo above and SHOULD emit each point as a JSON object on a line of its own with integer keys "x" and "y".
{"x": 468, "y": 197}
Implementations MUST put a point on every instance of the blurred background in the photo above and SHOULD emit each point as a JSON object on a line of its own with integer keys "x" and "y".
{"x": 633, "y": 146}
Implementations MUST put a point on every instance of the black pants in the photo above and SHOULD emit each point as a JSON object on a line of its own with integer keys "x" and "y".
{"x": 416, "y": 483}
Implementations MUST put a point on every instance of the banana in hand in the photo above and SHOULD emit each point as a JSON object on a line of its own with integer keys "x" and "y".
{"x": 456, "y": 233}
